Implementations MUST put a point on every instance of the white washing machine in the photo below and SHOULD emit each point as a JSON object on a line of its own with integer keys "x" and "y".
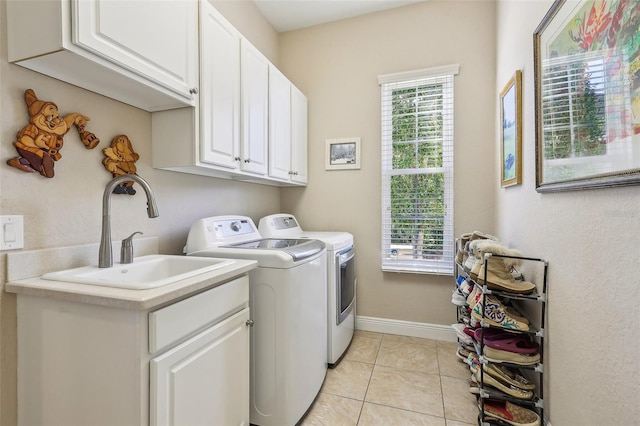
{"x": 288, "y": 293}
{"x": 341, "y": 280}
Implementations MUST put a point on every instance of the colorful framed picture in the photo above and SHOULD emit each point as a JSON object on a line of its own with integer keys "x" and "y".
{"x": 342, "y": 154}
{"x": 511, "y": 131}
{"x": 587, "y": 95}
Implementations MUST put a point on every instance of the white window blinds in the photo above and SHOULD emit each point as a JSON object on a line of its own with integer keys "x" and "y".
{"x": 417, "y": 171}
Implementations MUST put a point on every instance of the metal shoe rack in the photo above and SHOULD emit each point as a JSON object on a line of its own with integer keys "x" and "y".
{"x": 538, "y": 334}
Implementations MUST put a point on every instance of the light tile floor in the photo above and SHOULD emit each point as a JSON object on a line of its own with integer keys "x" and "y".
{"x": 388, "y": 380}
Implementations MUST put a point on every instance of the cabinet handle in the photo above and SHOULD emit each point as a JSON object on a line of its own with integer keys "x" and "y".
{"x": 237, "y": 158}
{"x": 247, "y": 160}
{"x": 249, "y": 323}
{"x": 193, "y": 91}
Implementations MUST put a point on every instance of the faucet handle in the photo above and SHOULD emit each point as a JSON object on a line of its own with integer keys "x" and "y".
{"x": 126, "y": 250}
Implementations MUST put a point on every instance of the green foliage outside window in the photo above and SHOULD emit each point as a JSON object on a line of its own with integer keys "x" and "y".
{"x": 418, "y": 207}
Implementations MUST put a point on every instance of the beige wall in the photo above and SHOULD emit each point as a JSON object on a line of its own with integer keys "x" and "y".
{"x": 66, "y": 210}
{"x": 590, "y": 239}
{"x": 337, "y": 66}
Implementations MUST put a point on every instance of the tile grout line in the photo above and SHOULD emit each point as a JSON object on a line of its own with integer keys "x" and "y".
{"x": 364, "y": 398}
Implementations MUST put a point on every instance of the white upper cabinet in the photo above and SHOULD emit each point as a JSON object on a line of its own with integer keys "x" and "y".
{"x": 255, "y": 109}
{"x": 220, "y": 90}
{"x": 279, "y": 125}
{"x": 299, "y": 132}
{"x": 287, "y": 130}
{"x": 140, "y": 52}
{"x": 243, "y": 125}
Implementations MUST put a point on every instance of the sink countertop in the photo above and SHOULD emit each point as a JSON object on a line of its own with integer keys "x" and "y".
{"x": 108, "y": 296}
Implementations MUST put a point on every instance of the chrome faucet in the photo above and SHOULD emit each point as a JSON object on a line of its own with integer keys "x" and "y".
{"x": 105, "y": 256}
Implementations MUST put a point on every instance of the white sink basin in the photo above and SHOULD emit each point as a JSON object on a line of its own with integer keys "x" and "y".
{"x": 145, "y": 272}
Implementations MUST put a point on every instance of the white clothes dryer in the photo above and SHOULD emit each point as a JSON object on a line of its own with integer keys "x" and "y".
{"x": 287, "y": 303}
{"x": 341, "y": 280}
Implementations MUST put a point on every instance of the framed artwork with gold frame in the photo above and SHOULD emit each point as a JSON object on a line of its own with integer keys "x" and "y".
{"x": 511, "y": 131}
{"x": 587, "y": 95}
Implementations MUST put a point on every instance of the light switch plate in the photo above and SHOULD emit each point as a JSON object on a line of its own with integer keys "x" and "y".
{"x": 11, "y": 232}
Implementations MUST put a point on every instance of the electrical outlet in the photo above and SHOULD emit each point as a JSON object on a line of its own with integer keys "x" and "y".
{"x": 11, "y": 232}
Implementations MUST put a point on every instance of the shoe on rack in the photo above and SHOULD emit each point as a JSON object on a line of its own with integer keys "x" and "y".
{"x": 513, "y": 313}
{"x": 474, "y": 296}
{"x": 473, "y": 387}
{"x": 516, "y": 344}
{"x": 476, "y": 257}
{"x": 508, "y": 376}
{"x": 498, "y": 356}
{"x": 496, "y": 315}
{"x": 474, "y": 362}
{"x": 462, "y": 353}
{"x": 505, "y": 340}
{"x": 499, "y": 269}
{"x": 498, "y": 273}
{"x": 458, "y": 298}
{"x": 462, "y": 253}
{"x": 461, "y": 334}
{"x": 485, "y": 334}
{"x": 513, "y": 391}
{"x": 470, "y": 259}
{"x": 510, "y": 413}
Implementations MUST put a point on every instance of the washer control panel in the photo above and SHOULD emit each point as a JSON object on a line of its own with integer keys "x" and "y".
{"x": 232, "y": 228}
{"x": 217, "y": 231}
{"x": 285, "y": 222}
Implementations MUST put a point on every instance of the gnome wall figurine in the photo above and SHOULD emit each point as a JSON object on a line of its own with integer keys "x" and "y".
{"x": 39, "y": 142}
{"x": 120, "y": 159}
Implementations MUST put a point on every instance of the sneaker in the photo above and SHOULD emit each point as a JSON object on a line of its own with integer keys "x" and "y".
{"x": 508, "y": 376}
{"x": 464, "y": 286}
{"x": 497, "y": 355}
{"x": 474, "y": 296}
{"x": 474, "y": 362}
{"x": 462, "y": 353}
{"x": 513, "y": 391}
{"x": 510, "y": 413}
{"x": 460, "y": 333}
{"x": 496, "y": 315}
{"x": 458, "y": 298}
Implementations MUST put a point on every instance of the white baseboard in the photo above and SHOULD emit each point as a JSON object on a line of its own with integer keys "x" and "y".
{"x": 406, "y": 328}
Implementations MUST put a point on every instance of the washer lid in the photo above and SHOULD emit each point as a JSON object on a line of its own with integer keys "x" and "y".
{"x": 298, "y": 249}
{"x": 334, "y": 241}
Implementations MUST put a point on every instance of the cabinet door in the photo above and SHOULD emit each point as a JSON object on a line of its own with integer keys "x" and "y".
{"x": 254, "y": 88}
{"x": 154, "y": 39}
{"x": 298, "y": 136}
{"x": 219, "y": 89}
{"x": 279, "y": 125}
{"x": 205, "y": 380}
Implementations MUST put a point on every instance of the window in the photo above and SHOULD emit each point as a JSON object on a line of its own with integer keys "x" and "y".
{"x": 417, "y": 171}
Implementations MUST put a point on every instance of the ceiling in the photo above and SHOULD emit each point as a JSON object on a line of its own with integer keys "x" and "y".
{"x": 287, "y": 15}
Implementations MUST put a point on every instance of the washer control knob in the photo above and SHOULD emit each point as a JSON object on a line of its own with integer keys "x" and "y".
{"x": 235, "y": 226}
{"x": 287, "y": 222}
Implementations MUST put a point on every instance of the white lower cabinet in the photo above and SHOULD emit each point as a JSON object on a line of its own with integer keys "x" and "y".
{"x": 184, "y": 363}
{"x": 204, "y": 380}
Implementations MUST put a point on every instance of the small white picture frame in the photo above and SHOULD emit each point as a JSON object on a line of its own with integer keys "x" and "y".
{"x": 342, "y": 154}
